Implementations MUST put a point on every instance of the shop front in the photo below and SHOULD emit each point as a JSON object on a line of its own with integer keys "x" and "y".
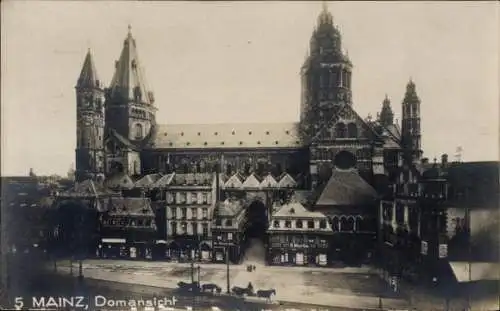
{"x": 140, "y": 250}
{"x": 205, "y": 251}
{"x": 112, "y": 248}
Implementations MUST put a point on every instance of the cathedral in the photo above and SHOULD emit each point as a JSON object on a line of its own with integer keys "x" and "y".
{"x": 318, "y": 180}
{"x": 117, "y": 130}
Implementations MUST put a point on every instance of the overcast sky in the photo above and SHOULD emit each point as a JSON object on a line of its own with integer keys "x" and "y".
{"x": 239, "y": 62}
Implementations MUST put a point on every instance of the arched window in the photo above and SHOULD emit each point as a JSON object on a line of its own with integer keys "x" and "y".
{"x": 335, "y": 223}
{"x": 340, "y": 130}
{"x": 138, "y": 131}
{"x": 352, "y": 130}
{"x": 359, "y": 224}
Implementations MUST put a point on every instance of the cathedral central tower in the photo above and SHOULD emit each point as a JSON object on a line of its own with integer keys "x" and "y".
{"x": 325, "y": 75}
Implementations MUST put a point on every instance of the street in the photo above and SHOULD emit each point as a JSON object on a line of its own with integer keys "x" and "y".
{"x": 346, "y": 287}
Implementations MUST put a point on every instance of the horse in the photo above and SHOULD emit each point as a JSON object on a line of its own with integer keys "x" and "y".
{"x": 211, "y": 288}
{"x": 190, "y": 287}
{"x": 266, "y": 294}
{"x": 240, "y": 291}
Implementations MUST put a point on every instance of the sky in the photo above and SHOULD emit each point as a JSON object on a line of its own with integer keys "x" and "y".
{"x": 211, "y": 62}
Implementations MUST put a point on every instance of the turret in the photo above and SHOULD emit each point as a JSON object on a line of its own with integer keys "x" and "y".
{"x": 90, "y": 122}
{"x": 411, "y": 135}
{"x": 386, "y": 116}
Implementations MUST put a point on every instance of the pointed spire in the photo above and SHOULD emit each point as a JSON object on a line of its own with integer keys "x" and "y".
{"x": 411, "y": 93}
{"x": 325, "y": 17}
{"x": 88, "y": 75}
{"x": 386, "y": 116}
{"x": 128, "y": 80}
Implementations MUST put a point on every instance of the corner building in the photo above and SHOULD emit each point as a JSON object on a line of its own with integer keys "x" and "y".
{"x": 118, "y": 134}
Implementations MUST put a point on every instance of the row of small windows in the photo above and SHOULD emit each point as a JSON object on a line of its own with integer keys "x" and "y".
{"x": 299, "y": 224}
{"x": 227, "y": 223}
{"x": 232, "y": 133}
{"x": 240, "y": 143}
{"x": 194, "y": 213}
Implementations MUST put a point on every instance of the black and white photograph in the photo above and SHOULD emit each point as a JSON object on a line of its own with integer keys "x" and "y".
{"x": 250, "y": 155}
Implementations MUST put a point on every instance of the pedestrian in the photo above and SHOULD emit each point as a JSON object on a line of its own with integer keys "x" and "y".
{"x": 253, "y": 268}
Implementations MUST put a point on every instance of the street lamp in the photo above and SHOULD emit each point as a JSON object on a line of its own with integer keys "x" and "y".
{"x": 227, "y": 270}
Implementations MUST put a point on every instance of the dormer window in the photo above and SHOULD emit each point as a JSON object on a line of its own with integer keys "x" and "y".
{"x": 276, "y": 142}
{"x": 250, "y": 133}
{"x": 233, "y": 132}
{"x": 134, "y": 64}
{"x": 188, "y": 143}
{"x": 182, "y": 133}
{"x": 199, "y": 133}
{"x": 276, "y": 224}
{"x": 287, "y": 132}
{"x": 258, "y": 143}
{"x": 241, "y": 143}
{"x": 267, "y": 132}
{"x": 216, "y": 133}
{"x": 205, "y": 143}
{"x": 222, "y": 143}
{"x": 288, "y": 224}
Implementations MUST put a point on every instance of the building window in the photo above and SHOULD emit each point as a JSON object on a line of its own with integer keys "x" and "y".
{"x": 183, "y": 227}
{"x": 218, "y": 222}
{"x": 194, "y": 213}
{"x": 298, "y": 224}
{"x": 195, "y": 228}
{"x": 229, "y": 236}
{"x": 205, "y": 230}
{"x": 194, "y": 198}
{"x": 310, "y": 224}
{"x": 340, "y": 130}
{"x": 352, "y": 130}
{"x": 276, "y": 224}
{"x": 229, "y": 223}
{"x": 138, "y": 131}
{"x": 322, "y": 224}
{"x": 183, "y": 213}
{"x": 205, "y": 212}
{"x": 204, "y": 197}
{"x": 174, "y": 212}
{"x": 174, "y": 228}
{"x": 288, "y": 224}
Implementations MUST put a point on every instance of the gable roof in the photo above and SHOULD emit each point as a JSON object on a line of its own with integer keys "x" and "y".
{"x": 296, "y": 210}
{"x": 148, "y": 181}
{"x": 235, "y": 181}
{"x": 130, "y": 207}
{"x": 86, "y": 188}
{"x": 337, "y": 115}
{"x": 227, "y": 135}
{"x": 269, "y": 182}
{"x": 164, "y": 181}
{"x": 120, "y": 181}
{"x": 286, "y": 181}
{"x": 252, "y": 182}
{"x": 346, "y": 188}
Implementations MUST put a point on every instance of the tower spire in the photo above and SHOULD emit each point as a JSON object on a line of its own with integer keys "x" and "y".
{"x": 88, "y": 75}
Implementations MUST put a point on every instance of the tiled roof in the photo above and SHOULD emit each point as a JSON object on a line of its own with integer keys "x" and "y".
{"x": 130, "y": 207}
{"x": 120, "y": 181}
{"x": 88, "y": 76}
{"x": 129, "y": 76}
{"x": 296, "y": 210}
{"x": 253, "y": 181}
{"x": 148, "y": 181}
{"x": 221, "y": 136}
{"x": 164, "y": 181}
{"x": 286, "y": 181}
{"x": 346, "y": 188}
{"x": 86, "y": 188}
{"x": 229, "y": 208}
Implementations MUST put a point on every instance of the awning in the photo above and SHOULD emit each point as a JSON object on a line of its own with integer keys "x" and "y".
{"x": 113, "y": 240}
{"x": 479, "y": 271}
